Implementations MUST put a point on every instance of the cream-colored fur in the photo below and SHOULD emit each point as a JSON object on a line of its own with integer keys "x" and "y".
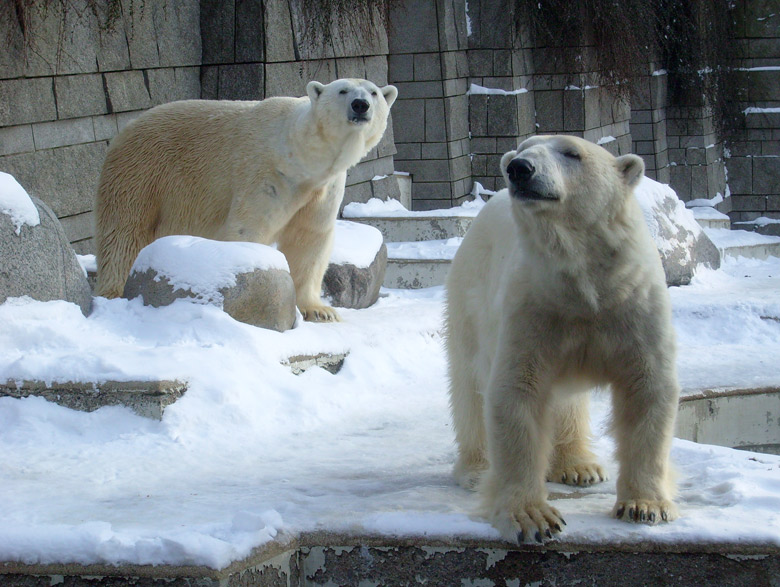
{"x": 269, "y": 171}
{"x": 558, "y": 287}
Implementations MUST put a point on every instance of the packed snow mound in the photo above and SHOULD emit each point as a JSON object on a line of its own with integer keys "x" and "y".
{"x": 355, "y": 244}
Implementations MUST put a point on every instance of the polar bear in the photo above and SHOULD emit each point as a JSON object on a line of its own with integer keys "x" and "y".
{"x": 558, "y": 287}
{"x": 268, "y": 171}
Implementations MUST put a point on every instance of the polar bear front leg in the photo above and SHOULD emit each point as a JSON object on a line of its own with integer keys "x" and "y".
{"x": 644, "y": 414}
{"x": 519, "y": 431}
{"x": 307, "y": 242}
{"x": 573, "y": 463}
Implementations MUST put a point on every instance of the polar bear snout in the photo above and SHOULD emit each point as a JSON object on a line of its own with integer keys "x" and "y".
{"x": 524, "y": 183}
{"x": 360, "y": 106}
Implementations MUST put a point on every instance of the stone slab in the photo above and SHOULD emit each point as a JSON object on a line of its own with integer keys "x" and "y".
{"x": 421, "y": 228}
{"x": 324, "y": 558}
{"x": 146, "y": 398}
{"x": 416, "y": 273}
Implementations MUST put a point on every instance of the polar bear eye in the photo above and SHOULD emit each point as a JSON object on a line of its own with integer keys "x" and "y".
{"x": 572, "y": 155}
{"x": 343, "y": 92}
{"x": 373, "y": 93}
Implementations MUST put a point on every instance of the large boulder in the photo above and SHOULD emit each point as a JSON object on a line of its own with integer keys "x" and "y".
{"x": 357, "y": 266}
{"x": 36, "y": 259}
{"x": 249, "y": 281}
{"x": 680, "y": 240}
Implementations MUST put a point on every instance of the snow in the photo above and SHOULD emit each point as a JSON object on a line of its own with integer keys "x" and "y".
{"x": 724, "y": 238}
{"x": 754, "y": 110}
{"x": 434, "y": 249}
{"x": 204, "y": 266}
{"x": 605, "y": 140}
{"x": 707, "y": 213}
{"x": 702, "y": 202}
{"x": 652, "y": 196}
{"x": 477, "y": 89}
{"x": 252, "y": 452}
{"x": 760, "y": 221}
{"x": 355, "y": 244}
{"x": 16, "y": 204}
{"x": 376, "y": 208}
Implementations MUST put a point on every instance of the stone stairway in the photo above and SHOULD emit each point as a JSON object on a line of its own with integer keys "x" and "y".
{"x": 420, "y": 247}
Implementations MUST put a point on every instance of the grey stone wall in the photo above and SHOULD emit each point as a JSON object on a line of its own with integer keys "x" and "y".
{"x": 65, "y": 96}
{"x": 753, "y": 164}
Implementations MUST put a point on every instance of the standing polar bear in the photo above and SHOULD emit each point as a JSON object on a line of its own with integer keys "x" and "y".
{"x": 558, "y": 287}
{"x": 268, "y": 171}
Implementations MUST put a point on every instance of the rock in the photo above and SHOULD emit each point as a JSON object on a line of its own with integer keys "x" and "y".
{"x": 681, "y": 242}
{"x": 237, "y": 277}
{"x": 37, "y": 260}
{"x": 349, "y": 286}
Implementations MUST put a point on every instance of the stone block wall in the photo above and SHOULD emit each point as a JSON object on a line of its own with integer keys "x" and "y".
{"x": 65, "y": 96}
{"x": 428, "y": 63}
{"x": 753, "y": 161}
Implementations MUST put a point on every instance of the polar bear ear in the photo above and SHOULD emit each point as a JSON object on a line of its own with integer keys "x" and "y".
{"x": 314, "y": 89}
{"x": 390, "y": 93}
{"x": 632, "y": 168}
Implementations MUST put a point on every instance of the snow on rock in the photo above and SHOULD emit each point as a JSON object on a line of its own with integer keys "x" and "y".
{"x": 204, "y": 266}
{"x": 356, "y": 244}
{"x": 16, "y": 203}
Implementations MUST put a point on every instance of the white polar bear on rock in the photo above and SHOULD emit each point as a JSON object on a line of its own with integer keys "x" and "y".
{"x": 558, "y": 287}
{"x": 268, "y": 171}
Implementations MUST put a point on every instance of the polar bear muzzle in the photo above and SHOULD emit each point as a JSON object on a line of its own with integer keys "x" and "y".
{"x": 523, "y": 181}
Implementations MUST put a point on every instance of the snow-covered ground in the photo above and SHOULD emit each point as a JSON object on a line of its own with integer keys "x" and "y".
{"x": 252, "y": 450}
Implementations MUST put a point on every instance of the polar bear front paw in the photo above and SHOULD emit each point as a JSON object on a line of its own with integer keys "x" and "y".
{"x": 320, "y": 314}
{"x": 646, "y": 511}
{"x": 581, "y": 474}
{"x": 468, "y": 471}
{"x": 532, "y": 522}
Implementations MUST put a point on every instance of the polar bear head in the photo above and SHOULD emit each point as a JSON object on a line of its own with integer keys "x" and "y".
{"x": 569, "y": 178}
{"x": 351, "y": 107}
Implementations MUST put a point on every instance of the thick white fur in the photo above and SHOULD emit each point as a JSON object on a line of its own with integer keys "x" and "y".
{"x": 269, "y": 171}
{"x": 546, "y": 299}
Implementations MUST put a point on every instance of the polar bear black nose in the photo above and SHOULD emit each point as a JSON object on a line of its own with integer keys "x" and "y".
{"x": 519, "y": 170}
{"x": 360, "y": 106}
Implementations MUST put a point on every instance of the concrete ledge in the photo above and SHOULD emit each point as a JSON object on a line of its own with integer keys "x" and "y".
{"x": 748, "y": 419}
{"x": 418, "y": 228}
{"x": 146, "y": 398}
{"x": 324, "y": 558}
{"x": 416, "y": 273}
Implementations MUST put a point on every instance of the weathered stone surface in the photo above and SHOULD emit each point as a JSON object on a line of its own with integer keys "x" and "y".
{"x": 40, "y": 263}
{"x": 263, "y": 297}
{"x": 681, "y": 242}
{"x": 349, "y": 286}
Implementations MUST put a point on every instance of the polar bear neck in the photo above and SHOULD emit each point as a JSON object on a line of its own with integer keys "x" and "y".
{"x": 585, "y": 263}
{"x": 326, "y": 156}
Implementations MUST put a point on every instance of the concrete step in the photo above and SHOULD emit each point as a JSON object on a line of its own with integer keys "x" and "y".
{"x": 417, "y": 264}
{"x": 709, "y": 217}
{"x": 418, "y": 228}
{"x": 742, "y": 243}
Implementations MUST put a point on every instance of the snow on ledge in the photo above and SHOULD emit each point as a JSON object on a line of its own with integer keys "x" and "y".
{"x": 376, "y": 208}
{"x": 476, "y": 89}
{"x": 16, "y": 203}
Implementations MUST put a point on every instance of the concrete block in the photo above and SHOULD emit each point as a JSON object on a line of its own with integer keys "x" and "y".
{"x": 175, "y": 26}
{"x": 413, "y": 28}
{"x": 766, "y": 175}
{"x": 455, "y": 87}
{"x": 456, "y": 117}
{"x": 290, "y": 79}
{"x": 433, "y": 170}
{"x": 65, "y": 179}
{"x": 680, "y": 180}
{"x": 113, "y": 51}
{"x": 740, "y": 170}
{"x": 360, "y": 192}
{"x": 80, "y": 95}
{"x": 142, "y": 37}
{"x": 427, "y": 67}
{"x": 127, "y": 91}
{"x": 409, "y": 121}
{"x": 478, "y": 115}
{"x": 460, "y": 168}
{"x": 209, "y": 82}
{"x": 573, "y": 110}
{"x": 434, "y": 151}
{"x": 483, "y": 145}
{"x": 400, "y": 68}
{"x": 549, "y": 110}
{"x": 376, "y": 69}
{"x": 502, "y": 116}
{"x": 351, "y": 67}
{"x": 218, "y": 30}
{"x": 48, "y": 135}
{"x": 480, "y": 62}
{"x": 279, "y": 42}
{"x": 386, "y": 188}
{"x": 76, "y": 48}
{"x": 435, "y": 130}
{"x": 408, "y": 151}
{"x": 27, "y": 100}
{"x": 241, "y": 82}
{"x": 125, "y": 118}
{"x": 764, "y": 86}
{"x": 429, "y": 89}
{"x": 433, "y": 192}
{"x": 16, "y": 139}
{"x": 249, "y": 31}
{"x": 79, "y": 227}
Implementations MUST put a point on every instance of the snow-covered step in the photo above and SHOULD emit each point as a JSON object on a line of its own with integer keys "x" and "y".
{"x": 417, "y": 228}
{"x": 397, "y": 224}
{"x": 417, "y": 264}
{"x": 709, "y": 217}
{"x": 741, "y": 243}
